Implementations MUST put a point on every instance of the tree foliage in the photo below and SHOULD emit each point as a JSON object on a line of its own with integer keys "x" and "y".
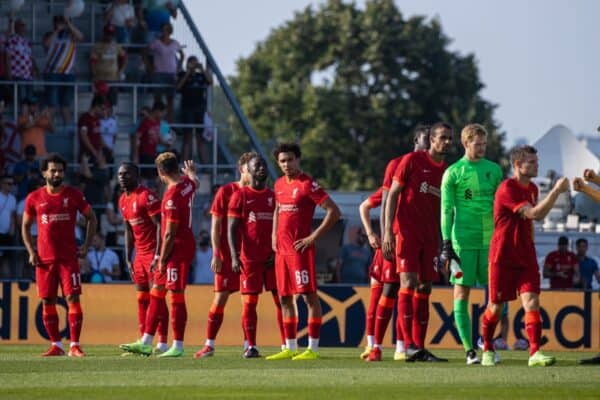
{"x": 351, "y": 83}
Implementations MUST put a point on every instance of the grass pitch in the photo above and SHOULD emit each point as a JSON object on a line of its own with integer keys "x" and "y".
{"x": 340, "y": 374}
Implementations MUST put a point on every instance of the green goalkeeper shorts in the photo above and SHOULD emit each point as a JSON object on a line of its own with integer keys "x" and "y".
{"x": 474, "y": 264}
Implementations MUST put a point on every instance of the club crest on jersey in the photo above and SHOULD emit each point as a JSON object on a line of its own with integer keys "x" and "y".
{"x": 270, "y": 201}
{"x": 294, "y": 192}
{"x": 134, "y": 206}
{"x": 65, "y": 202}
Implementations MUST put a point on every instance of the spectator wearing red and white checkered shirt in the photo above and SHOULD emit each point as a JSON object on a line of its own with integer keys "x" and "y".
{"x": 21, "y": 64}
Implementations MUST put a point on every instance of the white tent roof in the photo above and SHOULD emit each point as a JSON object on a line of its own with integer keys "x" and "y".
{"x": 559, "y": 150}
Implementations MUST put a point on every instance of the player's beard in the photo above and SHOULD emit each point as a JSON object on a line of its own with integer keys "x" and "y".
{"x": 54, "y": 182}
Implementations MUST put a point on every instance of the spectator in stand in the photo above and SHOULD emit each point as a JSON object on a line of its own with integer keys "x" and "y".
{"x": 94, "y": 181}
{"x": 21, "y": 64}
{"x": 355, "y": 258}
{"x": 26, "y": 171}
{"x": 193, "y": 85}
{"x": 10, "y": 143}
{"x": 202, "y": 271}
{"x": 108, "y": 132}
{"x": 8, "y": 223}
{"x": 588, "y": 267}
{"x": 60, "y": 45}
{"x": 148, "y": 138}
{"x": 561, "y": 266}
{"x": 165, "y": 62}
{"x": 122, "y": 15}
{"x": 166, "y": 139}
{"x": 33, "y": 125}
{"x": 142, "y": 115}
{"x": 4, "y": 89}
{"x": 104, "y": 263}
{"x": 108, "y": 61}
{"x": 153, "y": 14}
{"x": 90, "y": 138}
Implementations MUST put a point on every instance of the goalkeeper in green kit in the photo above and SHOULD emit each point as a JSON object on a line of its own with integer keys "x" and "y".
{"x": 468, "y": 188}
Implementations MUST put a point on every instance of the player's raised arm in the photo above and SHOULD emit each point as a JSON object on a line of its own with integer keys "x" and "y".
{"x": 542, "y": 209}
{"x": 189, "y": 170}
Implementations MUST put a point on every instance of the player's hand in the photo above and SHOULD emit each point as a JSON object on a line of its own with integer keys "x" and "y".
{"x": 153, "y": 264}
{"x": 236, "y": 266}
{"x": 302, "y": 244}
{"x": 562, "y": 185}
{"x": 274, "y": 243}
{"x": 589, "y": 174}
{"x": 162, "y": 266}
{"x": 189, "y": 168}
{"x": 387, "y": 247}
{"x": 216, "y": 264}
{"x": 447, "y": 254}
{"x": 82, "y": 252}
{"x": 34, "y": 259}
{"x": 578, "y": 184}
{"x": 374, "y": 240}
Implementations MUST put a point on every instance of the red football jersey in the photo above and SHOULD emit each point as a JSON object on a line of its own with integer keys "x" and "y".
{"x": 512, "y": 241}
{"x": 388, "y": 175}
{"x": 136, "y": 209}
{"x": 418, "y": 211}
{"x": 375, "y": 198}
{"x": 177, "y": 207}
{"x": 219, "y": 208}
{"x": 564, "y": 262}
{"x": 255, "y": 209}
{"x": 296, "y": 201}
{"x": 56, "y": 216}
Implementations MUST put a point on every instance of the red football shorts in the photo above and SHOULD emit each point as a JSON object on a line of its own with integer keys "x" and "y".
{"x": 376, "y": 267}
{"x": 227, "y": 280}
{"x": 388, "y": 271}
{"x": 255, "y": 275}
{"x": 64, "y": 273}
{"x": 295, "y": 273}
{"x": 141, "y": 269}
{"x": 506, "y": 281}
{"x": 176, "y": 276}
{"x": 415, "y": 255}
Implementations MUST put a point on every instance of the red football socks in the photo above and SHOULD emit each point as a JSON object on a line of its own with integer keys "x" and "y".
{"x": 405, "y": 313}
{"x": 290, "y": 326}
{"x": 314, "y": 328}
{"x": 488, "y": 325}
{"x": 143, "y": 300}
{"x": 420, "y": 302}
{"x": 249, "y": 317}
{"x": 75, "y": 321}
{"x": 533, "y": 326}
{"x": 178, "y": 315}
{"x": 50, "y": 319}
{"x": 385, "y": 306}
{"x": 215, "y": 319}
{"x": 375, "y": 294}
{"x": 155, "y": 311}
{"x": 279, "y": 317}
{"x": 163, "y": 321}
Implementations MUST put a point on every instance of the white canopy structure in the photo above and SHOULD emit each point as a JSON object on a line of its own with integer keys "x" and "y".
{"x": 559, "y": 150}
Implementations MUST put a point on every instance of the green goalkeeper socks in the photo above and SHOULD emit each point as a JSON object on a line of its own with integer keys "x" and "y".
{"x": 463, "y": 323}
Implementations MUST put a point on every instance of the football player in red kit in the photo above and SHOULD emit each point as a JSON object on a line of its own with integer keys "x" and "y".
{"x": 54, "y": 207}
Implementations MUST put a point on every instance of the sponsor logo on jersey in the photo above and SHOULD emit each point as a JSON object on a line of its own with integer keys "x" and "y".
{"x": 468, "y": 194}
{"x": 170, "y": 205}
{"x": 49, "y": 218}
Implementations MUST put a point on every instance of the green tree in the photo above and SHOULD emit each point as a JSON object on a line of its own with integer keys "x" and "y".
{"x": 350, "y": 84}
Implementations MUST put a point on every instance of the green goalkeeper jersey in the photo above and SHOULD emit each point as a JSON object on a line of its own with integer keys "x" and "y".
{"x": 468, "y": 189}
